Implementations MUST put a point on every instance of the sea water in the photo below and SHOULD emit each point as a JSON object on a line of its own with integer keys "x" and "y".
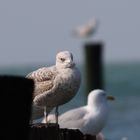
{"x": 123, "y": 82}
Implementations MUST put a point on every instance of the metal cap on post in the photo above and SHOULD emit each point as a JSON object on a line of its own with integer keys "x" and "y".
{"x": 93, "y": 66}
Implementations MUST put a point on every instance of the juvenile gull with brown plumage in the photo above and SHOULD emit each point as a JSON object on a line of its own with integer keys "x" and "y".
{"x": 57, "y": 84}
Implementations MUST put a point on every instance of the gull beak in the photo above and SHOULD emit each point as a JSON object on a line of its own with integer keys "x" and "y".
{"x": 111, "y": 98}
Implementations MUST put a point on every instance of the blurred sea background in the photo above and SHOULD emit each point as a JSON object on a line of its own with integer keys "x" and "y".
{"x": 122, "y": 81}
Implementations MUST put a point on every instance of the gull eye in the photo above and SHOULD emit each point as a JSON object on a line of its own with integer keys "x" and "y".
{"x": 62, "y": 59}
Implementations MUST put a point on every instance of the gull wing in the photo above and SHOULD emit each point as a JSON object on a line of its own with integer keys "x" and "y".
{"x": 42, "y": 74}
{"x": 43, "y": 78}
{"x": 73, "y": 118}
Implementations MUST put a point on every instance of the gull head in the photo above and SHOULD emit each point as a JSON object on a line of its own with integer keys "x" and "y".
{"x": 97, "y": 97}
{"x": 64, "y": 59}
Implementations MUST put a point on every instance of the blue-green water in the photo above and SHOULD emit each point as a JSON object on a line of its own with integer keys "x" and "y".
{"x": 121, "y": 81}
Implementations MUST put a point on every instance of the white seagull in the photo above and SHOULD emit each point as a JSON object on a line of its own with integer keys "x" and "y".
{"x": 87, "y": 29}
{"x": 57, "y": 84}
{"x": 89, "y": 119}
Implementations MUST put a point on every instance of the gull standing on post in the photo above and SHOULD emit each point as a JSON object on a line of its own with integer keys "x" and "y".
{"x": 89, "y": 119}
{"x": 86, "y": 30}
{"x": 57, "y": 84}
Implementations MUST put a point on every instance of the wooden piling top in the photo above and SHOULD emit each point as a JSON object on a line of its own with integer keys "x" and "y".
{"x": 52, "y": 131}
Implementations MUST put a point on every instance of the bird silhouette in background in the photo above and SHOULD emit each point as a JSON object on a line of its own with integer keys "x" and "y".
{"x": 57, "y": 84}
{"x": 86, "y": 30}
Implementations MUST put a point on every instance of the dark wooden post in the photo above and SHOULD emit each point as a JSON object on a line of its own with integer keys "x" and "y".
{"x": 53, "y": 132}
{"x": 15, "y": 107}
{"x": 93, "y": 66}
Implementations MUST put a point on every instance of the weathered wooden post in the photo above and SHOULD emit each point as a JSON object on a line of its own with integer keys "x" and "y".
{"x": 53, "y": 132}
{"x": 15, "y": 107}
{"x": 93, "y": 66}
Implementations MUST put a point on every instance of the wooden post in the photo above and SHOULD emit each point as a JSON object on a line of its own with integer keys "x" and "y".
{"x": 44, "y": 131}
{"x": 53, "y": 132}
{"x": 93, "y": 66}
{"x": 15, "y": 107}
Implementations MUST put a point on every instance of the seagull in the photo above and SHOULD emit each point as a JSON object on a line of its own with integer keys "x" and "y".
{"x": 87, "y": 29}
{"x": 57, "y": 84}
{"x": 89, "y": 119}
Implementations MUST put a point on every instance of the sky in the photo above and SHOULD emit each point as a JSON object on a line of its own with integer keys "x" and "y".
{"x": 33, "y": 31}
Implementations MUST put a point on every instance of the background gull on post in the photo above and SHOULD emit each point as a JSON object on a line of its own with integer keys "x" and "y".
{"x": 57, "y": 84}
{"x": 89, "y": 119}
{"x": 87, "y": 29}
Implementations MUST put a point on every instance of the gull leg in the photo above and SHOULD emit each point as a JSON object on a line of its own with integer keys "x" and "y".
{"x": 56, "y": 114}
{"x": 46, "y": 115}
{"x": 46, "y": 118}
